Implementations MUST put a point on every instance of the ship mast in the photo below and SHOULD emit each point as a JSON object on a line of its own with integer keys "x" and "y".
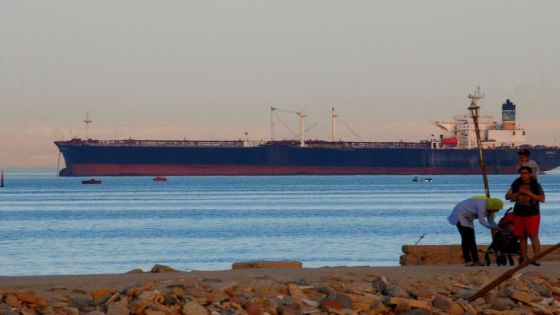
{"x": 302, "y": 116}
{"x": 87, "y": 121}
{"x": 272, "y": 123}
{"x": 475, "y": 97}
{"x": 333, "y": 125}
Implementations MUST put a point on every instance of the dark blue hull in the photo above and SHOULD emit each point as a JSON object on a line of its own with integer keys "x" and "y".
{"x": 89, "y": 159}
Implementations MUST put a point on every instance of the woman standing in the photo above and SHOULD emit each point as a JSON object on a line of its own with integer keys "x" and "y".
{"x": 463, "y": 216}
{"x": 527, "y": 194}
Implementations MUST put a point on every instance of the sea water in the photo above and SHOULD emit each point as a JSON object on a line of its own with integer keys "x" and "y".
{"x": 56, "y": 225}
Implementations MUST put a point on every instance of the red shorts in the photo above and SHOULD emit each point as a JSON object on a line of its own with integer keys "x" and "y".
{"x": 525, "y": 226}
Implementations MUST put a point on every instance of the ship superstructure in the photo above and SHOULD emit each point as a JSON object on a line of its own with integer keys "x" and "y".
{"x": 460, "y": 132}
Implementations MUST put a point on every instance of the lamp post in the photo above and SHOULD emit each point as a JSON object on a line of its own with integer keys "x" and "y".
{"x": 474, "y": 110}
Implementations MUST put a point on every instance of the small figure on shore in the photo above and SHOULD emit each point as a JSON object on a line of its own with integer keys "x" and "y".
{"x": 524, "y": 160}
{"x": 527, "y": 194}
{"x": 463, "y": 216}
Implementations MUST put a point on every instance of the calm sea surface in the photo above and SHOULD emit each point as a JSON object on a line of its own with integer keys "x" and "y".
{"x": 56, "y": 225}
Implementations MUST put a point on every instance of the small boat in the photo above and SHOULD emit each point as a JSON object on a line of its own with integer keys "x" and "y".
{"x": 91, "y": 181}
{"x": 415, "y": 179}
{"x": 160, "y": 179}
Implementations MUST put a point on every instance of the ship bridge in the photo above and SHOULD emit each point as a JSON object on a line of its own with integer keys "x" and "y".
{"x": 460, "y": 131}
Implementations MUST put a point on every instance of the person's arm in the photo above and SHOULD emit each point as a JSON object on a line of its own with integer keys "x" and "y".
{"x": 539, "y": 196}
{"x": 535, "y": 197}
{"x": 483, "y": 216}
{"x": 510, "y": 195}
{"x": 486, "y": 220}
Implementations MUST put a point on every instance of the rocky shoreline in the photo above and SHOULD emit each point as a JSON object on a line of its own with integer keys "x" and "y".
{"x": 329, "y": 290}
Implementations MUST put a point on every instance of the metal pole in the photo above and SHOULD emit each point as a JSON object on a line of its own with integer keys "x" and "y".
{"x": 474, "y": 110}
{"x": 481, "y": 155}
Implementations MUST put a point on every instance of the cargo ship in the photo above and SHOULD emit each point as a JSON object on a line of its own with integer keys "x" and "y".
{"x": 454, "y": 151}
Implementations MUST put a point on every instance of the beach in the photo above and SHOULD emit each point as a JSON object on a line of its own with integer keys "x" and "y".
{"x": 432, "y": 289}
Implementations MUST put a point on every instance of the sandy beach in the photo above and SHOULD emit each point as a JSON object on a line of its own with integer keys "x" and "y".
{"x": 432, "y": 289}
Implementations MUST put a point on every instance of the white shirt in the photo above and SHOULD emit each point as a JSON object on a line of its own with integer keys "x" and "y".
{"x": 467, "y": 210}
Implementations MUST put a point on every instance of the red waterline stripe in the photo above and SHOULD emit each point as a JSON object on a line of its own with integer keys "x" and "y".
{"x": 170, "y": 170}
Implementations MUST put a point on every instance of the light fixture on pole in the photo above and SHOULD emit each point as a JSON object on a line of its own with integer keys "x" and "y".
{"x": 474, "y": 111}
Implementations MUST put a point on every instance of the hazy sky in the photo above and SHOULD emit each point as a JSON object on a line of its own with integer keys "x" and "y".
{"x": 212, "y": 69}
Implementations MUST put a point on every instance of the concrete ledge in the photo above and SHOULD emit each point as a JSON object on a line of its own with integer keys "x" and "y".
{"x": 451, "y": 254}
{"x": 266, "y": 264}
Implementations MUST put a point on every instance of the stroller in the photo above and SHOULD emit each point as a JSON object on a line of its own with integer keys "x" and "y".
{"x": 504, "y": 243}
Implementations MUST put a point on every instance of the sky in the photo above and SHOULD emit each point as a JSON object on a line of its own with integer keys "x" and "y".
{"x": 212, "y": 69}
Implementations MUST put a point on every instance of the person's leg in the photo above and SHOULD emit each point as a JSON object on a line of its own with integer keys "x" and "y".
{"x": 523, "y": 247}
{"x": 473, "y": 247}
{"x": 468, "y": 244}
{"x": 533, "y": 232}
{"x": 536, "y": 244}
{"x": 519, "y": 231}
{"x": 465, "y": 246}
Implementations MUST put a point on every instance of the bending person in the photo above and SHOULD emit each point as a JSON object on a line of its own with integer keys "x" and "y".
{"x": 527, "y": 194}
{"x": 463, "y": 216}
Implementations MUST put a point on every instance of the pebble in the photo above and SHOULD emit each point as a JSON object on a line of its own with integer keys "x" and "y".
{"x": 395, "y": 291}
{"x": 117, "y": 309}
{"x": 193, "y": 308}
{"x": 296, "y": 292}
{"x": 379, "y": 283}
{"x": 162, "y": 269}
{"x": 442, "y": 303}
{"x": 100, "y": 295}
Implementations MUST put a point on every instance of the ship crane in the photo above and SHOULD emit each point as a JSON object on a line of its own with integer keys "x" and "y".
{"x": 301, "y": 115}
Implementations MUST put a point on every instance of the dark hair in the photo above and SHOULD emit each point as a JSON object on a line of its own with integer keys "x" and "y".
{"x": 525, "y": 152}
{"x": 526, "y": 168}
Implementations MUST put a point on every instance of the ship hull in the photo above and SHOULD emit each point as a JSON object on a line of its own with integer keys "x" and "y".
{"x": 98, "y": 160}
